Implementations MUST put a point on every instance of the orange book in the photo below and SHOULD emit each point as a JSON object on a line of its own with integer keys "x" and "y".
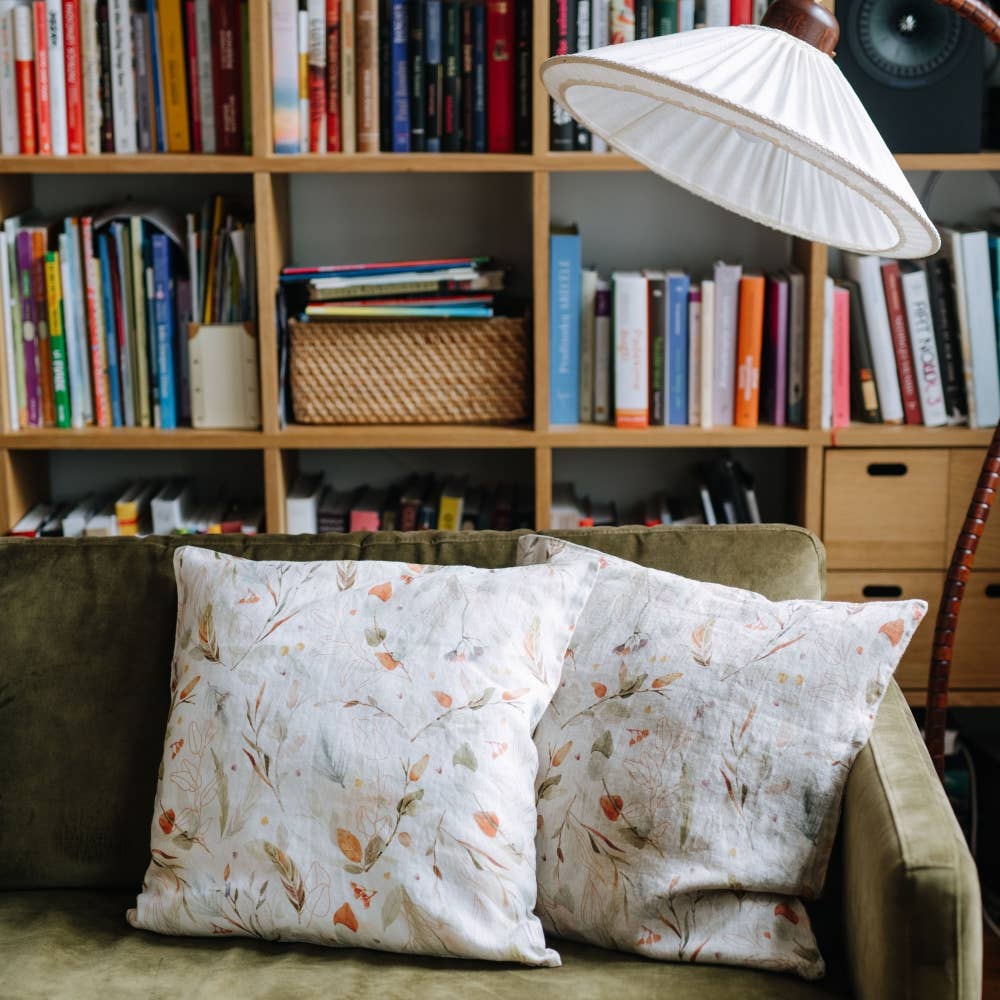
{"x": 39, "y": 244}
{"x": 174, "y": 76}
{"x": 748, "y": 349}
{"x": 366, "y": 48}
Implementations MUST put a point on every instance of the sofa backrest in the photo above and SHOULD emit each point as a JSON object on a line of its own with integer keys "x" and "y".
{"x": 86, "y": 638}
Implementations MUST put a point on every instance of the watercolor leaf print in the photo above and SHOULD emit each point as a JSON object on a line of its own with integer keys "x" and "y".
{"x": 560, "y": 755}
{"x": 383, "y": 591}
{"x": 349, "y": 845}
{"x": 222, "y": 787}
{"x": 347, "y": 574}
{"x": 374, "y": 635}
{"x": 465, "y": 757}
{"x": 208, "y": 644}
{"x": 549, "y": 787}
{"x": 291, "y": 880}
{"x": 701, "y": 643}
{"x": 487, "y": 822}
{"x": 604, "y": 744}
{"x": 345, "y": 917}
{"x": 893, "y": 631}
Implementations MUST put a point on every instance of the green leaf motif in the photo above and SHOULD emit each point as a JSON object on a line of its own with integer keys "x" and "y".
{"x": 604, "y": 744}
{"x": 373, "y": 850}
{"x": 483, "y": 700}
{"x": 464, "y": 757}
{"x": 223, "y": 782}
{"x": 633, "y": 685}
{"x": 547, "y": 789}
{"x": 393, "y": 907}
{"x": 408, "y": 802}
{"x": 374, "y": 635}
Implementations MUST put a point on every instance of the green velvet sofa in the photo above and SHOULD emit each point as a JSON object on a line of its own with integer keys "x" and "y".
{"x": 86, "y": 633}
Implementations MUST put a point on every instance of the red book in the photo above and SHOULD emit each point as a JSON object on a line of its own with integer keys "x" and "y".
{"x": 500, "y": 76}
{"x": 740, "y": 12}
{"x": 42, "y": 78}
{"x": 226, "y": 75}
{"x": 333, "y": 76}
{"x": 95, "y": 329}
{"x": 317, "y": 86}
{"x": 841, "y": 357}
{"x": 24, "y": 71}
{"x": 893, "y": 282}
{"x": 74, "y": 75}
{"x": 194, "y": 99}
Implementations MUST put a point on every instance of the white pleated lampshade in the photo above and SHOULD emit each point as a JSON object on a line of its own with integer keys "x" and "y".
{"x": 757, "y": 121}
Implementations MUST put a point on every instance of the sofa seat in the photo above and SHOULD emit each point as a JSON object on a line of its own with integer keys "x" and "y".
{"x": 75, "y": 944}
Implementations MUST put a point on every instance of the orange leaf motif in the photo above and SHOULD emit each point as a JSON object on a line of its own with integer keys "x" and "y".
{"x": 350, "y": 846}
{"x": 560, "y": 755}
{"x": 190, "y": 687}
{"x": 444, "y": 700}
{"x": 599, "y": 689}
{"x": 167, "y": 818}
{"x": 365, "y": 895}
{"x": 383, "y": 591}
{"x": 418, "y": 769}
{"x": 514, "y": 695}
{"x": 638, "y": 735}
{"x": 405, "y": 839}
{"x": 784, "y": 910}
{"x": 487, "y": 822}
{"x": 893, "y": 631}
{"x": 612, "y": 806}
{"x": 388, "y": 661}
{"x": 662, "y": 682}
{"x": 345, "y": 915}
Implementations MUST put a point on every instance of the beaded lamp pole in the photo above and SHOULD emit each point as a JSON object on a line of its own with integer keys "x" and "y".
{"x": 755, "y": 119}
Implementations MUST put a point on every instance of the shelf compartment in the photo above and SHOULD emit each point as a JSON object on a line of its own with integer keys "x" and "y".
{"x": 602, "y": 436}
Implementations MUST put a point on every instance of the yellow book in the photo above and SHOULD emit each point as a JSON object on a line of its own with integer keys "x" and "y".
{"x": 57, "y": 339}
{"x": 450, "y": 507}
{"x": 132, "y": 509}
{"x": 213, "y": 253}
{"x": 174, "y": 76}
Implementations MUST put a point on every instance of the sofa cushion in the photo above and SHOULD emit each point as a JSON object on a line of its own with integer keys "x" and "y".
{"x": 87, "y": 630}
{"x": 75, "y": 945}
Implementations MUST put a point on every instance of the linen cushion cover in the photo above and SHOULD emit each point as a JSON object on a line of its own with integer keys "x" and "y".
{"x": 694, "y": 759}
{"x": 348, "y": 756}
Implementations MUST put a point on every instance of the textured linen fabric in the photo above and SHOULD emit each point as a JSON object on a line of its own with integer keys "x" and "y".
{"x": 694, "y": 758}
{"x": 348, "y": 756}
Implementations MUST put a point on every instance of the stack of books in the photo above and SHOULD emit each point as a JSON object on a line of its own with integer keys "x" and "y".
{"x": 95, "y": 311}
{"x": 419, "y": 503}
{"x": 141, "y": 508}
{"x": 401, "y": 76}
{"x": 660, "y": 347}
{"x": 578, "y": 25}
{"x": 915, "y": 342}
{"x": 726, "y": 495}
{"x": 114, "y": 76}
{"x": 456, "y": 287}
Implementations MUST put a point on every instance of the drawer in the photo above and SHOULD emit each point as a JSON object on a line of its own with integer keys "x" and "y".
{"x": 886, "y": 508}
{"x": 976, "y": 659}
{"x": 962, "y": 478}
{"x": 911, "y": 674}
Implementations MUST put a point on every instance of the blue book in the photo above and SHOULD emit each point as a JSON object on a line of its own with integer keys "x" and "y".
{"x": 163, "y": 311}
{"x": 479, "y": 78}
{"x": 434, "y": 75}
{"x": 156, "y": 71}
{"x": 400, "y": 76}
{"x": 994, "y": 244}
{"x": 678, "y": 286}
{"x": 110, "y": 328}
{"x": 565, "y": 269}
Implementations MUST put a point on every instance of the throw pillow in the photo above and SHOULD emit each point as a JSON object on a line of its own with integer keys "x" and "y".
{"x": 694, "y": 759}
{"x": 348, "y": 757}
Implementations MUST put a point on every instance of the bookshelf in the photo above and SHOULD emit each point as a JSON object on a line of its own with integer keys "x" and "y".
{"x": 534, "y": 182}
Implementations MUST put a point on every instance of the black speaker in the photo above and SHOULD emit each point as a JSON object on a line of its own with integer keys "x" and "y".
{"x": 918, "y": 69}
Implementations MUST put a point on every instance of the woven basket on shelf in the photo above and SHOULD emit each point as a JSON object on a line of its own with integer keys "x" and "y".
{"x": 425, "y": 371}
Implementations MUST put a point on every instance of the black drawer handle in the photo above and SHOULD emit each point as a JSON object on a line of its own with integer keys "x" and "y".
{"x": 887, "y": 469}
{"x": 993, "y": 590}
{"x": 883, "y": 590}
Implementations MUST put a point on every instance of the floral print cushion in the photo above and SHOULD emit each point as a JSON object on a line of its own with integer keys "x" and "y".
{"x": 692, "y": 762}
{"x": 348, "y": 756}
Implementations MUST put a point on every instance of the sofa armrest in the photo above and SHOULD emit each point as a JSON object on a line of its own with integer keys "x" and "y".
{"x": 912, "y": 908}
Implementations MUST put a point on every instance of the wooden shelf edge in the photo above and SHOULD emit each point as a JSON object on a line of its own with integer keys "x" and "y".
{"x": 986, "y": 160}
{"x": 595, "y": 436}
{"x": 431, "y": 436}
{"x": 398, "y": 163}
{"x": 893, "y": 436}
{"x": 917, "y": 698}
{"x": 140, "y": 163}
{"x": 131, "y": 438}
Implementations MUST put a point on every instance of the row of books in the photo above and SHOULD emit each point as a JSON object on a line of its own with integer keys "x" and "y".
{"x": 916, "y": 342}
{"x": 659, "y": 347}
{"x": 579, "y": 25}
{"x": 96, "y": 311}
{"x": 123, "y": 76}
{"x": 454, "y": 287}
{"x": 419, "y": 503}
{"x": 142, "y": 507}
{"x": 401, "y": 76}
{"x": 726, "y": 495}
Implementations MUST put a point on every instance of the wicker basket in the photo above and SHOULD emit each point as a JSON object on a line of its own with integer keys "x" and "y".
{"x": 472, "y": 371}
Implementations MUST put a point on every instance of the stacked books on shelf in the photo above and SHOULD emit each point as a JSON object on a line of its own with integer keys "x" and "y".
{"x": 446, "y": 288}
{"x": 124, "y": 76}
{"x": 578, "y": 25}
{"x": 401, "y": 76}
{"x": 915, "y": 342}
{"x": 142, "y": 507}
{"x": 726, "y": 495}
{"x": 661, "y": 347}
{"x": 95, "y": 311}
{"x": 418, "y": 503}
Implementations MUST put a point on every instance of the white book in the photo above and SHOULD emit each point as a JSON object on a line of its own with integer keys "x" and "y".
{"x": 685, "y": 15}
{"x": 588, "y": 303}
{"x": 694, "y": 357}
{"x": 716, "y": 13}
{"x": 90, "y": 56}
{"x": 826, "y": 392}
{"x": 926, "y": 366}
{"x": 600, "y": 28}
{"x": 602, "y": 352}
{"x": 33, "y": 519}
{"x": 206, "y": 92}
{"x": 75, "y": 360}
{"x": 10, "y": 137}
{"x": 302, "y": 505}
{"x": 566, "y": 510}
{"x": 727, "y": 301}
{"x": 631, "y": 345}
{"x": 707, "y": 334}
{"x": 103, "y": 523}
{"x": 123, "y": 106}
{"x": 968, "y": 253}
{"x": 57, "y": 76}
{"x": 13, "y": 413}
{"x": 173, "y": 506}
{"x": 75, "y": 521}
{"x": 796, "y": 347}
{"x": 867, "y": 272}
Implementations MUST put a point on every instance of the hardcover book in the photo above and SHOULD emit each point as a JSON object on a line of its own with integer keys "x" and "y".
{"x": 631, "y": 349}
{"x": 564, "y": 326}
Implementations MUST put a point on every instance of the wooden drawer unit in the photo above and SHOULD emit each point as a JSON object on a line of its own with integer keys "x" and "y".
{"x": 962, "y": 478}
{"x": 976, "y": 662}
{"x": 885, "y": 508}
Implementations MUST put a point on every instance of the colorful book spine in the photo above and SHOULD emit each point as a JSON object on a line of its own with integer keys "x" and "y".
{"x": 725, "y": 330}
{"x": 656, "y": 286}
{"x": 749, "y": 348}
{"x": 164, "y": 317}
{"x": 285, "y": 75}
{"x": 226, "y": 78}
{"x": 643, "y": 18}
{"x": 841, "y": 386}
{"x": 678, "y": 287}
{"x": 57, "y": 340}
{"x": 707, "y": 353}
{"x": 561, "y": 123}
{"x": 385, "y": 76}
{"x": 664, "y": 17}
{"x": 204, "y": 71}
{"x": 694, "y": 357}
{"x": 123, "y": 100}
{"x": 366, "y": 42}
{"x": 16, "y": 413}
{"x": 122, "y": 312}
{"x": 400, "y": 77}
{"x": 631, "y": 347}
{"x": 588, "y": 296}
{"x": 10, "y": 141}
{"x": 434, "y": 75}
{"x": 76, "y": 375}
{"x": 740, "y": 12}
{"x": 564, "y": 327}
{"x": 892, "y": 283}
{"x": 417, "y": 21}
{"x": 717, "y": 13}
{"x": 946, "y": 335}
{"x": 57, "y": 75}
{"x": 97, "y": 351}
{"x": 500, "y": 76}
{"x": 105, "y": 85}
{"x": 622, "y": 21}
{"x": 522, "y": 76}
{"x": 194, "y": 82}
{"x": 864, "y": 393}
{"x": 156, "y": 71}
{"x": 467, "y": 77}
{"x": 602, "y": 352}
{"x": 24, "y": 75}
{"x": 43, "y": 85}
{"x": 919, "y": 323}
{"x": 110, "y": 329}
{"x": 39, "y": 244}
{"x": 796, "y": 347}
{"x": 29, "y": 330}
{"x": 90, "y": 76}
{"x": 317, "y": 76}
{"x": 775, "y": 387}
{"x": 174, "y": 76}
{"x": 479, "y": 61}
{"x": 826, "y": 365}
{"x": 333, "y": 76}
{"x": 145, "y": 115}
{"x": 138, "y": 324}
{"x": 348, "y": 116}
{"x": 451, "y": 125}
